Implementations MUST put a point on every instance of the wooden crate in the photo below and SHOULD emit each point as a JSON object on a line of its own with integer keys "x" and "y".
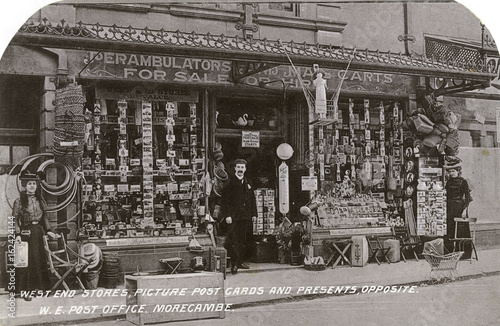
{"x": 161, "y": 308}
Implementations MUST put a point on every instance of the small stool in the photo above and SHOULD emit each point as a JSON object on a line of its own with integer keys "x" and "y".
{"x": 335, "y": 250}
{"x": 172, "y": 264}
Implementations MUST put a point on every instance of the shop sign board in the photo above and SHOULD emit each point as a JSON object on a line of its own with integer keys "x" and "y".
{"x": 354, "y": 81}
{"x": 250, "y": 139}
{"x": 208, "y": 71}
{"x": 160, "y": 68}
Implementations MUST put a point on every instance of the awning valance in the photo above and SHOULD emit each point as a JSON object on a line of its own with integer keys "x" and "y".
{"x": 129, "y": 39}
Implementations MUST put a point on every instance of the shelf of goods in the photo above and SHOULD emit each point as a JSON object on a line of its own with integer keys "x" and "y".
{"x": 358, "y": 159}
{"x": 144, "y": 167}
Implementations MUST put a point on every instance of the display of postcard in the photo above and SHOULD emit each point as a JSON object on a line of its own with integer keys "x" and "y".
{"x": 135, "y": 188}
{"x": 170, "y": 106}
{"x": 172, "y": 187}
{"x": 192, "y": 110}
{"x": 146, "y": 107}
{"x": 193, "y": 140}
{"x": 160, "y": 188}
{"x": 122, "y": 188}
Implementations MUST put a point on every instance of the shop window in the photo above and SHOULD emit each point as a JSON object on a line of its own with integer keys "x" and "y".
{"x": 12, "y": 154}
{"x": 236, "y": 113}
{"x": 284, "y": 6}
{"x": 19, "y": 100}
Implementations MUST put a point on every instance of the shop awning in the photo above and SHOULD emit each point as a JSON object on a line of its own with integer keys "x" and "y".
{"x": 129, "y": 39}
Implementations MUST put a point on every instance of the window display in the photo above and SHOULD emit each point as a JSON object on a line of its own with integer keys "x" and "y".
{"x": 144, "y": 164}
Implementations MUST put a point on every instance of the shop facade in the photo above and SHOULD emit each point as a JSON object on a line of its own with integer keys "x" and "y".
{"x": 158, "y": 108}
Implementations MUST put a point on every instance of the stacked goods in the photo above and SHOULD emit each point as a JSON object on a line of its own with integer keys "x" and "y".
{"x": 110, "y": 271}
{"x": 69, "y": 131}
{"x": 265, "y": 222}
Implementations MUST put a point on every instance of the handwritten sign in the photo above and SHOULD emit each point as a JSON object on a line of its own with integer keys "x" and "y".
{"x": 250, "y": 139}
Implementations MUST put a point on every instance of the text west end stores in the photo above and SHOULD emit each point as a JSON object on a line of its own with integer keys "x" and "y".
{"x": 143, "y": 67}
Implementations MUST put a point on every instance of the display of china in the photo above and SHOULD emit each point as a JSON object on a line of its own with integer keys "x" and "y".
{"x": 251, "y": 120}
{"x": 241, "y": 121}
{"x": 273, "y": 121}
{"x": 438, "y": 186}
{"x": 422, "y": 185}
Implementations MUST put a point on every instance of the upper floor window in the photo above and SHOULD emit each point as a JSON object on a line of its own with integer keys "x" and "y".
{"x": 289, "y": 7}
{"x": 19, "y": 100}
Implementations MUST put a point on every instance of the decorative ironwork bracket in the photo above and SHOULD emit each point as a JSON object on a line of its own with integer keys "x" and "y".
{"x": 442, "y": 86}
{"x": 247, "y": 24}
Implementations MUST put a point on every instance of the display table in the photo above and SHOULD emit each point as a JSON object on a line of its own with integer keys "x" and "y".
{"x": 166, "y": 298}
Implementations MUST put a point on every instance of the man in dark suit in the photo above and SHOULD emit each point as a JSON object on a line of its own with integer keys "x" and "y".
{"x": 238, "y": 209}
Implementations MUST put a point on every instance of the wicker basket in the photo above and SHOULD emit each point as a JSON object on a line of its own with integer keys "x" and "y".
{"x": 185, "y": 209}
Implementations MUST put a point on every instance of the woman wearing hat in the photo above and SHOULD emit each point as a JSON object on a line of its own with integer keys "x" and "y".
{"x": 458, "y": 199}
{"x": 31, "y": 225}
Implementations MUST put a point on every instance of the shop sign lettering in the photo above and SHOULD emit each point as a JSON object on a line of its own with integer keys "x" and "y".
{"x": 355, "y": 81}
{"x": 146, "y": 67}
{"x": 250, "y": 139}
{"x": 206, "y": 71}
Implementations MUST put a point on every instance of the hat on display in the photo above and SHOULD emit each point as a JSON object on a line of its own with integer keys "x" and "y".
{"x": 217, "y": 154}
{"x": 26, "y": 175}
{"x": 452, "y": 162}
{"x": 93, "y": 254}
{"x": 240, "y": 161}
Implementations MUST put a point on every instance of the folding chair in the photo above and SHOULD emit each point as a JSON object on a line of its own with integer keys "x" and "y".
{"x": 408, "y": 243}
{"x": 375, "y": 247}
{"x": 172, "y": 264}
{"x": 61, "y": 265}
{"x": 463, "y": 241}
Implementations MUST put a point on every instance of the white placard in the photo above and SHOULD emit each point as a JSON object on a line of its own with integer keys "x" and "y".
{"x": 479, "y": 118}
{"x": 309, "y": 183}
{"x": 284, "y": 202}
{"x": 250, "y": 139}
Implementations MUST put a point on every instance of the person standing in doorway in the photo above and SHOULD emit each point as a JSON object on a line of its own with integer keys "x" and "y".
{"x": 458, "y": 199}
{"x": 32, "y": 225}
{"x": 239, "y": 208}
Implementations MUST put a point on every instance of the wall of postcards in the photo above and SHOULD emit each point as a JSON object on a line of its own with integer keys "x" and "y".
{"x": 144, "y": 164}
{"x": 266, "y": 211}
{"x": 358, "y": 149}
{"x": 431, "y": 198}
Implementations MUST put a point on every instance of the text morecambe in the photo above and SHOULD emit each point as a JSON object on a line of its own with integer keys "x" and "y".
{"x": 156, "y": 61}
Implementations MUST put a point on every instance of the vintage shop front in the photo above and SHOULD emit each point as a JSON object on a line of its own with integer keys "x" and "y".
{"x": 157, "y": 110}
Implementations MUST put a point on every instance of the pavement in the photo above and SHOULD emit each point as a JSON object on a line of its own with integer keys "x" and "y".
{"x": 262, "y": 284}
